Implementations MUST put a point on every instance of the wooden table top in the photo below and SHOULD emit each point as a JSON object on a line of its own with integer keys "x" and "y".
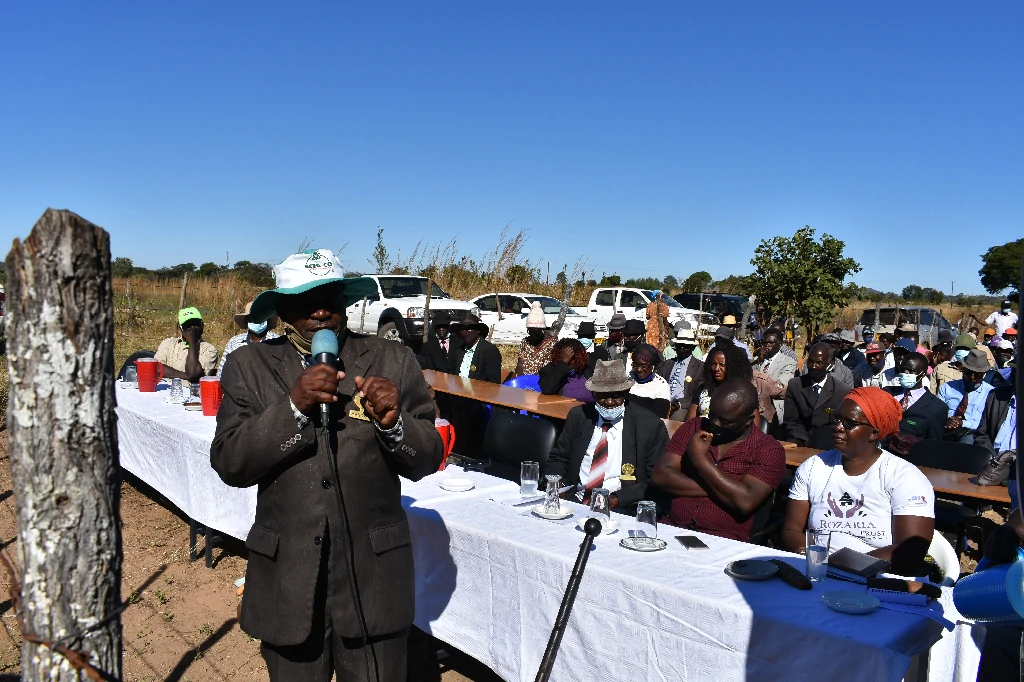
{"x": 555, "y": 406}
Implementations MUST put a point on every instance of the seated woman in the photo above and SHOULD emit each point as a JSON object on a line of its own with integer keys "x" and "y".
{"x": 650, "y": 389}
{"x": 567, "y": 373}
{"x": 723, "y": 362}
{"x": 871, "y": 500}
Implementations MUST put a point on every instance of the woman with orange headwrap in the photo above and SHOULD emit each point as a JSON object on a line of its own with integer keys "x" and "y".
{"x": 869, "y": 499}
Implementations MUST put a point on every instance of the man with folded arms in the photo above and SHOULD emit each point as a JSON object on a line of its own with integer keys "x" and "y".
{"x": 719, "y": 469}
{"x": 188, "y": 357}
{"x": 609, "y": 444}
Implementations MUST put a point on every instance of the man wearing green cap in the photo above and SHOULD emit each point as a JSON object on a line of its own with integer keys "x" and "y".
{"x": 329, "y": 583}
{"x": 188, "y": 357}
{"x": 952, "y": 370}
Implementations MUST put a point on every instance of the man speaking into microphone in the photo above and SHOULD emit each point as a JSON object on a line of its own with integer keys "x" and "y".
{"x": 329, "y": 584}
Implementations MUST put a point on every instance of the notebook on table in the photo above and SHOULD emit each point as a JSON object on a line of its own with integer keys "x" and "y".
{"x": 854, "y": 566}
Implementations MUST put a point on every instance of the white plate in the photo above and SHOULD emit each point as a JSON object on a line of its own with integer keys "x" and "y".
{"x": 848, "y": 601}
{"x": 564, "y": 513}
{"x": 607, "y": 527}
{"x": 457, "y": 485}
{"x": 751, "y": 569}
{"x": 643, "y": 544}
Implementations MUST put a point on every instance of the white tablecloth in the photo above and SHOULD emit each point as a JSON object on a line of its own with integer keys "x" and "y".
{"x": 490, "y": 578}
{"x": 168, "y": 447}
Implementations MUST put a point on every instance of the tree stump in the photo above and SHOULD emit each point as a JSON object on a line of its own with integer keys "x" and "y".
{"x": 63, "y": 445}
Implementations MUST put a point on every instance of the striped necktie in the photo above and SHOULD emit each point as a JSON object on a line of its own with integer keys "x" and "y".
{"x": 597, "y": 465}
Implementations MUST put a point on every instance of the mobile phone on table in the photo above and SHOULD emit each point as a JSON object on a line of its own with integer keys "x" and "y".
{"x": 691, "y": 542}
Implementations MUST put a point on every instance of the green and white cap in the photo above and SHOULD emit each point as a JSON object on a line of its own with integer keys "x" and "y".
{"x": 299, "y": 273}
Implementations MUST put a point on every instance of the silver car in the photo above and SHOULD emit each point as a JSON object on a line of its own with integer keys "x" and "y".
{"x": 929, "y": 322}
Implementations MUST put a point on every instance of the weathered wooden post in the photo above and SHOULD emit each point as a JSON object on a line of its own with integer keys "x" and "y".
{"x": 63, "y": 448}
{"x": 426, "y": 312}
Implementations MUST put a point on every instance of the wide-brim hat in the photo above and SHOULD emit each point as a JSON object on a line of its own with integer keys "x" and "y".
{"x": 725, "y": 332}
{"x": 586, "y": 330}
{"x": 847, "y": 335}
{"x": 442, "y": 319}
{"x": 470, "y": 321}
{"x": 946, "y": 336}
{"x": 242, "y": 319}
{"x": 617, "y": 322}
{"x": 729, "y": 319}
{"x": 609, "y": 377}
{"x": 634, "y": 328}
{"x": 301, "y": 272}
{"x": 976, "y": 361}
{"x": 684, "y": 335}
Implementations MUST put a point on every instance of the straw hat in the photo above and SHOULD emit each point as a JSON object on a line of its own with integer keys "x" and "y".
{"x": 242, "y": 319}
{"x": 729, "y": 320}
{"x": 609, "y": 377}
{"x": 535, "y": 320}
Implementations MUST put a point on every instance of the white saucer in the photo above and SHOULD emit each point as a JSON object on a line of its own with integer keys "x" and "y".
{"x": 457, "y": 485}
{"x": 607, "y": 527}
{"x": 643, "y": 544}
{"x": 848, "y": 601}
{"x": 751, "y": 569}
{"x": 564, "y": 513}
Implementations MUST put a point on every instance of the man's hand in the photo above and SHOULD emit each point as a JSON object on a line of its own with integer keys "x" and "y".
{"x": 955, "y": 422}
{"x": 192, "y": 336}
{"x": 380, "y": 399}
{"x": 317, "y": 384}
{"x": 700, "y": 444}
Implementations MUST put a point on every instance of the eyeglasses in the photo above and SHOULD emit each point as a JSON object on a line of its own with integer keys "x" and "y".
{"x": 848, "y": 424}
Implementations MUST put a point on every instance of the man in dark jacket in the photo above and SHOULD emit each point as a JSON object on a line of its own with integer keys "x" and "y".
{"x": 811, "y": 399}
{"x": 441, "y": 345}
{"x": 848, "y": 352}
{"x": 476, "y": 357}
{"x": 607, "y": 444}
{"x": 1000, "y": 411}
{"x": 924, "y": 415}
{"x": 329, "y": 582}
{"x": 684, "y": 373}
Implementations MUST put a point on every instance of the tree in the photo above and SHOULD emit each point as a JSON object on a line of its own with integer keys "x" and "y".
{"x": 670, "y": 282}
{"x": 609, "y": 280}
{"x": 933, "y": 296}
{"x": 122, "y": 267}
{"x": 911, "y": 292}
{"x": 734, "y": 284}
{"x": 519, "y": 274}
{"x": 697, "y": 282}
{"x": 381, "y": 260}
{"x": 1001, "y": 270}
{"x": 208, "y": 270}
{"x": 802, "y": 277}
{"x": 644, "y": 283}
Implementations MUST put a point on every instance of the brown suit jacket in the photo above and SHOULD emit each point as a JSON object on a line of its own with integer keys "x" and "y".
{"x": 259, "y": 442}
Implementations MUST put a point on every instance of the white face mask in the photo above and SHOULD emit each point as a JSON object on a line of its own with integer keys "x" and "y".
{"x": 1006, "y": 311}
{"x": 610, "y": 414}
{"x": 258, "y": 329}
{"x": 908, "y": 379}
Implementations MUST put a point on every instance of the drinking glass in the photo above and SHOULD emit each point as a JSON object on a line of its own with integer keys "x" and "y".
{"x": 529, "y": 475}
{"x": 131, "y": 376}
{"x": 600, "y": 506}
{"x": 646, "y": 520}
{"x": 552, "y": 503}
{"x": 817, "y": 544}
{"x": 193, "y": 394}
{"x": 177, "y": 395}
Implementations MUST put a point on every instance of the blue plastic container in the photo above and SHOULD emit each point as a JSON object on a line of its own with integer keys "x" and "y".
{"x": 993, "y": 594}
{"x": 528, "y": 382}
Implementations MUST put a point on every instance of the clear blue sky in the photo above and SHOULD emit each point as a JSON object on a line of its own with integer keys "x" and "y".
{"x": 651, "y": 138}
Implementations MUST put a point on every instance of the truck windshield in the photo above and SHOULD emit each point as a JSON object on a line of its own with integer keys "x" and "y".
{"x": 669, "y": 301}
{"x": 404, "y": 287}
{"x": 550, "y": 305}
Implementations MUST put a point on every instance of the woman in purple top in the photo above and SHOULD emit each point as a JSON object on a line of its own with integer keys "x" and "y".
{"x": 567, "y": 372}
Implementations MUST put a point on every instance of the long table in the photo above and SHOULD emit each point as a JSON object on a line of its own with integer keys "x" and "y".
{"x": 951, "y": 483}
{"x": 489, "y": 579}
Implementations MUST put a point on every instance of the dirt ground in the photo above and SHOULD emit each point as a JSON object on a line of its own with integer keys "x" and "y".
{"x": 181, "y": 624}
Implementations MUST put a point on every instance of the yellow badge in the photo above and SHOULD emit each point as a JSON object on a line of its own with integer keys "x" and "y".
{"x": 472, "y": 368}
{"x": 627, "y": 473}
{"x": 358, "y": 413}
{"x": 688, "y": 379}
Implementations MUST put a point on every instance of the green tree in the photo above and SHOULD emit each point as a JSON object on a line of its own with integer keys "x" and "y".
{"x": 933, "y": 296}
{"x": 670, "y": 282}
{"x": 697, "y": 282}
{"x": 734, "y": 284}
{"x": 644, "y": 283}
{"x": 1001, "y": 270}
{"x": 209, "y": 269}
{"x": 610, "y": 280}
{"x": 912, "y": 292}
{"x": 802, "y": 277}
{"x": 381, "y": 260}
{"x": 519, "y": 274}
{"x": 121, "y": 267}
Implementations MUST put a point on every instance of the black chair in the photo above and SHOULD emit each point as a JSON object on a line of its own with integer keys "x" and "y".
{"x": 770, "y": 515}
{"x": 131, "y": 361}
{"x": 512, "y": 438}
{"x": 821, "y": 438}
{"x": 658, "y": 406}
{"x": 953, "y": 517}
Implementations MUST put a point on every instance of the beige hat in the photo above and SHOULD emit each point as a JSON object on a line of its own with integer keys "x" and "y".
{"x": 242, "y": 319}
{"x": 536, "y": 320}
{"x": 729, "y": 319}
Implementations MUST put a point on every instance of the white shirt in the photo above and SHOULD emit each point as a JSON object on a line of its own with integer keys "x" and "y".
{"x": 656, "y": 388}
{"x": 915, "y": 395}
{"x": 882, "y": 379}
{"x": 613, "y": 465}
{"x": 1001, "y": 322}
{"x": 859, "y": 509}
{"x": 890, "y": 360}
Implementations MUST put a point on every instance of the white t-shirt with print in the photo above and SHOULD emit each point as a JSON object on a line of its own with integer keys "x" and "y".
{"x": 859, "y": 509}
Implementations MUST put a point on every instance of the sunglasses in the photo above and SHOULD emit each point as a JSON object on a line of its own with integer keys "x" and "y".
{"x": 848, "y": 424}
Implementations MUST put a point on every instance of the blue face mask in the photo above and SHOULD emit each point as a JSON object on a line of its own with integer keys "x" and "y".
{"x": 908, "y": 379}
{"x": 868, "y": 338}
{"x": 612, "y": 414}
{"x": 1006, "y": 311}
{"x": 587, "y": 343}
{"x": 258, "y": 329}
{"x": 960, "y": 354}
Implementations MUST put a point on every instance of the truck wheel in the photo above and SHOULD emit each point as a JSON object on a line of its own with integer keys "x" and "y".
{"x": 389, "y": 332}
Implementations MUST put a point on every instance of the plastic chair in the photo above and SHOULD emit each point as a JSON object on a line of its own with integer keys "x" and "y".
{"x": 512, "y": 439}
{"x": 945, "y": 556}
{"x": 447, "y": 433}
{"x": 527, "y": 382}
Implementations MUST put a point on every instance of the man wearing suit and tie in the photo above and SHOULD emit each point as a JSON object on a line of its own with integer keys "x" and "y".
{"x": 924, "y": 415}
{"x": 329, "y": 584}
{"x": 684, "y": 373}
{"x": 776, "y": 364}
{"x": 811, "y": 399}
{"x": 476, "y": 357}
{"x": 441, "y": 345}
{"x": 607, "y": 444}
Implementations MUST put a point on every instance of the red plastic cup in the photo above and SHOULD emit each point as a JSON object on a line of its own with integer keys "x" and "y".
{"x": 150, "y": 372}
{"x": 210, "y": 395}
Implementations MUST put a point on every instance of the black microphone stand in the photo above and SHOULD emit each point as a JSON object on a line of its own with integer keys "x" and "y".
{"x": 592, "y": 528}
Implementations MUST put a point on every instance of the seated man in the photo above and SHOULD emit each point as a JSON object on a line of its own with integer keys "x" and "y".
{"x": 726, "y": 333}
{"x": 841, "y": 372}
{"x": 872, "y": 371}
{"x": 848, "y": 353}
{"x": 997, "y": 430}
{"x": 965, "y": 398}
{"x": 438, "y": 349}
{"x": 924, "y": 415}
{"x": 475, "y": 357}
{"x": 950, "y": 370}
{"x": 776, "y": 363}
{"x": 252, "y": 332}
{"x": 811, "y": 399}
{"x": 719, "y": 469}
{"x": 683, "y": 372}
{"x": 608, "y": 444}
{"x": 188, "y": 357}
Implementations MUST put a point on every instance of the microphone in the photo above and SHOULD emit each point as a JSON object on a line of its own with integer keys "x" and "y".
{"x": 324, "y": 348}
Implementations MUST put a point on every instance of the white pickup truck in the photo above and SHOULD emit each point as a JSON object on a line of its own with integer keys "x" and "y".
{"x": 391, "y": 306}
{"x": 509, "y": 326}
{"x": 606, "y": 301}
